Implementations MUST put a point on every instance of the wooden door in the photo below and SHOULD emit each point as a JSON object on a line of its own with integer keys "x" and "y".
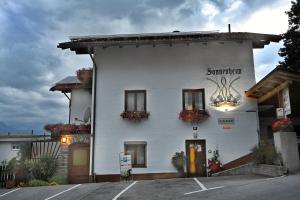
{"x": 196, "y": 157}
{"x": 79, "y": 160}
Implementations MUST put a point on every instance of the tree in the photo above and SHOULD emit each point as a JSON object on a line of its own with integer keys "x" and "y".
{"x": 291, "y": 50}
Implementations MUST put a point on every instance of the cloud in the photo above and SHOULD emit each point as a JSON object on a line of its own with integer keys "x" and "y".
{"x": 30, "y": 31}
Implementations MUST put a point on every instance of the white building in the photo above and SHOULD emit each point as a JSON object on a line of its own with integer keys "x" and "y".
{"x": 163, "y": 75}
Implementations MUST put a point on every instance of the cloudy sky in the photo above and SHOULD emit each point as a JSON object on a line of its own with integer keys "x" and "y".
{"x": 30, "y": 31}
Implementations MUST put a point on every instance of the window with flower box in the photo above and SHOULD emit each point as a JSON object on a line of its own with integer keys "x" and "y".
{"x": 135, "y": 100}
{"x": 193, "y": 99}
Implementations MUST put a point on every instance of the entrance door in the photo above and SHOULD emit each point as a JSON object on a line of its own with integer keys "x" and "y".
{"x": 79, "y": 160}
{"x": 196, "y": 157}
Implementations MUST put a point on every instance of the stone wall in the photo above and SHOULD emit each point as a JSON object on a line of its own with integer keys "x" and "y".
{"x": 248, "y": 169}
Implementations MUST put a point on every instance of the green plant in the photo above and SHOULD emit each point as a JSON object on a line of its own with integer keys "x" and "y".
{"x": 178, "y": 160}
{"x": 265, "y": 153}
{"x": 37, "y": 182}
{"x": 19, "y": 169}
{"x": 42, "y": 168}
{"x": 58, "y": 180}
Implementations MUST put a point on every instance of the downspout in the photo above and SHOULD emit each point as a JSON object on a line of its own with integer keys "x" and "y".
{"x": 94, "y": 96}
{"x": 69, "y": 106}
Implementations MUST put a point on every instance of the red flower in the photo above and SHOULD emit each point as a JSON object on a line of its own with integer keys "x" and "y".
{"x": 134, "y": 115}
{"x": 193, "y": 115}
{"x": 280, "y": 124}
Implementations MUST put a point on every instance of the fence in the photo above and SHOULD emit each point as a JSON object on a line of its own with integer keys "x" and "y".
{"x": 5, "y": 175}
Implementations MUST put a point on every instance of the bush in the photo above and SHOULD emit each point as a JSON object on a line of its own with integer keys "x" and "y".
{"x": 42, "y": 168}
{"x": 57, "y": 180}
{"x": 178, "y": 160}
{"x": 265, "y": 153}
{"x": 36, "y": 182}
{"x": 18, "y": 167}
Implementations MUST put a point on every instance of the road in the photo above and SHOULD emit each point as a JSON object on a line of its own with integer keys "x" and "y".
{"x": 230, "y": 187}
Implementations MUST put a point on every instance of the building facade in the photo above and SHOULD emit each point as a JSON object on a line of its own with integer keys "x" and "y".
{"x": 157, "y": 94}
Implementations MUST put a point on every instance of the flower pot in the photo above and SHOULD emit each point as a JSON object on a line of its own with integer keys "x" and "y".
{"x": 9, "y": 184}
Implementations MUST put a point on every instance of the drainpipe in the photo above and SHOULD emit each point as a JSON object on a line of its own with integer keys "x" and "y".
{"x": 93, "y": 120}
{"x": 69, "y": 106}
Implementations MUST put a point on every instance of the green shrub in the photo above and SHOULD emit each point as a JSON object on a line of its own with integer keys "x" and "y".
{"x": 36, "y": 182}
{"x": 178, "y": 160}
{"x": 265, "y": 153}
{"x": 42, "y": 168}
{"x": 18, "y": 167}
{"x": 58, "y": 180}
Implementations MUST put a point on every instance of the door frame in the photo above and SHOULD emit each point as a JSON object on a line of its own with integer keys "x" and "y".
{"x": 201, "y": 141}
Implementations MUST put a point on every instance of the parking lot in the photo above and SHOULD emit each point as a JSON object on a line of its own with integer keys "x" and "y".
{"x": 233, "y": 187}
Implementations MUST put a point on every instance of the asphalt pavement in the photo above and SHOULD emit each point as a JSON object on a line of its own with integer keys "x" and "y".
{"x": 230, "y": 187}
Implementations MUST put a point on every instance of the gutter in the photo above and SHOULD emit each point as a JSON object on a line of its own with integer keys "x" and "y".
{"x": 93, "y": 135}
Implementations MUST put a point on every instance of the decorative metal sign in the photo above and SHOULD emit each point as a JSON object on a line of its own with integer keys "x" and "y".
{"x": 225, "y": 93}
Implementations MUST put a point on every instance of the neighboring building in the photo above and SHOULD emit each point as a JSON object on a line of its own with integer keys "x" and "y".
{"x": 10, "y": 144}
{"x": 278, "y": 89}
{"x": 156, "y": 94}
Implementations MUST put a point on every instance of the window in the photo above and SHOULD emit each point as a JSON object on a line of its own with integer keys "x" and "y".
{"x": 193, "y": 99}
{"x": 137, "y": 150}
{"x": 135, "y": 100}
{"x": 15, "y": 147}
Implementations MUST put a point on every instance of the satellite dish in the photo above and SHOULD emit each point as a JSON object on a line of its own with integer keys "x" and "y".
{"x": 87, "y": 115}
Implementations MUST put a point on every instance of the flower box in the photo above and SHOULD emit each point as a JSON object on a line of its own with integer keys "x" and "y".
{"x": 85, "y": 75}
{"x": 193, "y": 115}
{"x": 284, "y": 124}
{"x": 135, "y": 115}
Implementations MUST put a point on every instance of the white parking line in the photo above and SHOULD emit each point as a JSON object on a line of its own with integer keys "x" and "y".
{"x": 9, "y": 192}
{"x": 200, "y": 184}
{"x": 118, "y": 195}
{"x": 63, "y": 192}
{"x": 203, "y": 188}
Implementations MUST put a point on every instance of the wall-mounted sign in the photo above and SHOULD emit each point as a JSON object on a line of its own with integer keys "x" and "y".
{"x": 286, "y": 101}
{"x": 125, "y": 164}
{"x": 226, "y": 121}
{"x": 279, "y": 113}
{"x": 224, "y": 79}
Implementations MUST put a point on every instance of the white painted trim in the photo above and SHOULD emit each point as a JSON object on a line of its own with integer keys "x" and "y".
{"x": 9, "y": 192}
{"x": 63, "y": 192}
{"x": 127, "y": 188}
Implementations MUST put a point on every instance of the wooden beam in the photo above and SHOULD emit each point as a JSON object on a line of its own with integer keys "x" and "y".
{"x": 273, "y": 92}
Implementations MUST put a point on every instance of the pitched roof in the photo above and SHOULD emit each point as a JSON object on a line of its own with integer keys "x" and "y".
{"x": 67, "y": 84}
{"x": 275, "y": 81}
{"x": 85, "y": 44}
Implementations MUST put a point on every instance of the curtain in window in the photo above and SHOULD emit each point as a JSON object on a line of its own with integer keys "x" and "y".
{"x": 140, "y": 102}
{"x": 130, "y": 101}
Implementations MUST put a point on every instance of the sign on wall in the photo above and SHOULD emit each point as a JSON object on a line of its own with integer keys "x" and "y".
{"x": 279, "y": 113}
{"x": 225, "y": 80}
{"x": 125, "y": 164}
{"x": 286, "y": 101}
{"x": 226, "y": 121}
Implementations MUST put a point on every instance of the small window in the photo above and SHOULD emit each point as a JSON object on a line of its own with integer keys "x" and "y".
{"x": 135, "y": 100}
{"x": 193, "y": 99}
{"x": 15, "y": 147}
{"x": 137, "y": 152}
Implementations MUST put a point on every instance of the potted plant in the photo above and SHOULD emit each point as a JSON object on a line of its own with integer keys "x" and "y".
{"x": 85, "y": 75}
{"x": 135, "y": 115}
{"x": 214, "y": 164}
{"x": 194, "y": 115}
{"x": 178, "y": 161}
{"x": 283, "y": 125}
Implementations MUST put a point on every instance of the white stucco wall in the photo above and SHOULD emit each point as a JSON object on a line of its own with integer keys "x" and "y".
{"x": 6, "y": 151}
{"x": 164, "y": 71}
{"x": 81, "y": 99}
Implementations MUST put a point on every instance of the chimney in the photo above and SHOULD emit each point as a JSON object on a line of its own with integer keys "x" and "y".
{"x": 229, "y": 28}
